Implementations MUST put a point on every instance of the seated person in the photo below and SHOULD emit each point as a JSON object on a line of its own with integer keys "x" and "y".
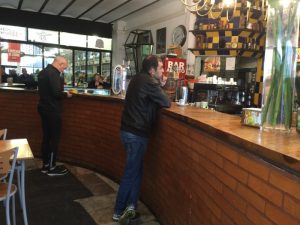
{"x": 3, "y": 75}
{"x": 97, "y": 82}
{"x": 24, "y": 77}
{"x": 13, "y": 74}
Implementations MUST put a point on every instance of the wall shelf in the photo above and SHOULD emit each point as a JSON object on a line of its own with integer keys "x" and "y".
{"x": 227, "y": 52}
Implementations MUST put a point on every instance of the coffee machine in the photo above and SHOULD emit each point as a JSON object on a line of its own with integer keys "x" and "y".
{"x": 221, "y": 97}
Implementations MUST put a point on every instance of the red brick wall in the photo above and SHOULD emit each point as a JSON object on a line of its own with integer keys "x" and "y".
{"x": 190, "y": 177}
{"x": 193, "y": 178}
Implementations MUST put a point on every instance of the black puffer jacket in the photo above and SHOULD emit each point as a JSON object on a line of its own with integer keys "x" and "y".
{"x": 143, "y": 98}
{"x": 50, "y": 90}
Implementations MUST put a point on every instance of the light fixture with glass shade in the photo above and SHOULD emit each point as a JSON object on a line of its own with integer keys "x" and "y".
{"x": 215, "y": 8}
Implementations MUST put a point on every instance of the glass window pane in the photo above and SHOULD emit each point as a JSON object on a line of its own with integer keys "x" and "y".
{"x": 99, "y": 42}
{"x": 13, "y": 32}
{"x": 68, "y": 73}
{"x": 105, "y": 65}
{"x": 49, "y": 55}
{"x": 93, "y": 64}
{"x": 45, "y": 36}
{"x": 72, "y": 39}
{"x": 79, "y": 65}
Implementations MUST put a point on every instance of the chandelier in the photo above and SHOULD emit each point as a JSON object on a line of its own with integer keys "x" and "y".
{"x": 215, "y": 8}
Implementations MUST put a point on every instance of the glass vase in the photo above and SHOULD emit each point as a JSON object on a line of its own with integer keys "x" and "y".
{"x": 280, "y": 65}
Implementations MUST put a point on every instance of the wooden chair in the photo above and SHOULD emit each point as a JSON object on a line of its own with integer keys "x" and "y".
{"x": 7, "y": 190}
{"x": 18, "y": 168}
{"x": 3, "y": 133}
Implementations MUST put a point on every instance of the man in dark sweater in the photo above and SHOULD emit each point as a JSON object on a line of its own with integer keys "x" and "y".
{"x": 51, "y": 92}
{"x": 144, "y": 97}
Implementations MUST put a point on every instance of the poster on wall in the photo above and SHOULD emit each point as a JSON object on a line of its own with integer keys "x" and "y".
{"x": 212, "y": 64}
{"x": 14, "y": 52}
{"x": 161, "y": 40}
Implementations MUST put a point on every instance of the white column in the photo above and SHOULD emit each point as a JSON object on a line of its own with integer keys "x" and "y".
{"x": 119, "y": 36}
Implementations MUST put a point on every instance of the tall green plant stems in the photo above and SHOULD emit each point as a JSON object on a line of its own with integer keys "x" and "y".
{"x": 282, "y": 43}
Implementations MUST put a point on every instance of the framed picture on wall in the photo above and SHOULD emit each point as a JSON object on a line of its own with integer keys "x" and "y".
{"x": 161, "y": 40}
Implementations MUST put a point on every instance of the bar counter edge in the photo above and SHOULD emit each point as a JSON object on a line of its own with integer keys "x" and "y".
{"x": 202, "y": 166}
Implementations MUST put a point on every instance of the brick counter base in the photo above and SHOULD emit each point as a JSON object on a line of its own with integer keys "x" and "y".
{"x": 190, "y": 177}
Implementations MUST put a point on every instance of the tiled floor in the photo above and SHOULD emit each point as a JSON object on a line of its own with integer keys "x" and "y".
{"x": 100, "y": 206}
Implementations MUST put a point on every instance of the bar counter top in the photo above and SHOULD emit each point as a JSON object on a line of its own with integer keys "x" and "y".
{"x": 282, "y": 149}
{"x": 201, "y": 166}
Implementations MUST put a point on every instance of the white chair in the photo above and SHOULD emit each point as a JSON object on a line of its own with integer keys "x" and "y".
{"x": 3, "y": 133}
{"x": 8, "y": 190}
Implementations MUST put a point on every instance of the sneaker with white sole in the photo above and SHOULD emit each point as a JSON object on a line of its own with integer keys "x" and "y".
{"x": 45, "y": 168}
{"x": 57, "y": 171}
{"x": 128, "y": 214}
{"x": 116, "y": 217}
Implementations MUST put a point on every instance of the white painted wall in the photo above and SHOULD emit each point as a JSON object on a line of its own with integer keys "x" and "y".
{"x": 169, "y": 14}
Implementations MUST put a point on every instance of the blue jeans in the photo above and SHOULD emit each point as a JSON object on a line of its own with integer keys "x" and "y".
{"x": 129, "y": 189}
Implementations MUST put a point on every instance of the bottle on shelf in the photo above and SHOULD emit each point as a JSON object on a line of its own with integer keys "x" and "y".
{"x": 248, "y": 102}
{"x": 249, "y": 43}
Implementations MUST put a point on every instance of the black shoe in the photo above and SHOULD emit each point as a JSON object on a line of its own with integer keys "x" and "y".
{"x": 57, "y": 171}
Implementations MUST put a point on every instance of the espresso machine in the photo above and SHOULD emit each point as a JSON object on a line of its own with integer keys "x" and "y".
{"x": 221, "y": 97}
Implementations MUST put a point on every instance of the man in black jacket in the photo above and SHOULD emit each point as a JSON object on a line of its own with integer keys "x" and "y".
{"x": 50, "y": 88}
{"x": 144, "y": 97}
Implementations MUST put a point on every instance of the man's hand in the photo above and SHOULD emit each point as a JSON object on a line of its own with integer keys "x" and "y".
{"x": 163, "y": 80}
{"x": 69, "y": 95}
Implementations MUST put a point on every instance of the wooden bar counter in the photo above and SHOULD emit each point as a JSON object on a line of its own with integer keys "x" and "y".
{"x": 202, "y": 167}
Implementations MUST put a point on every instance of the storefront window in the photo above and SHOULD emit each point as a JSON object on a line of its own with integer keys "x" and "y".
{"x": 93, "y": 57}
{"x": 68, "y": 73}
{"x": 49, "y": 55}
{"x": 79, "y": 67}
{"x": 93, "y": 64}
{"x": 105, "y": 65}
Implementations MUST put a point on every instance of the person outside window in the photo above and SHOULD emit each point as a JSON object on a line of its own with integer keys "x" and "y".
{"x": 144, "y": 97}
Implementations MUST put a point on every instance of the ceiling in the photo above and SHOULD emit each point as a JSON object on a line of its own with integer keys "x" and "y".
{"x": 105, "y": 11}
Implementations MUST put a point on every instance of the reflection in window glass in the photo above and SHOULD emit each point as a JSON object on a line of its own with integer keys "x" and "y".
{"x": 99, "y": 42}
{"x": 13, "y": 32}
{"x": 45, "y": 36}
{"x": 79, "y": 66}
{"x": 68, "y": 73}
{"x": 93, "y": 64}
{"x": 29, "y": 60}
{"x": 69, "y": 39}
